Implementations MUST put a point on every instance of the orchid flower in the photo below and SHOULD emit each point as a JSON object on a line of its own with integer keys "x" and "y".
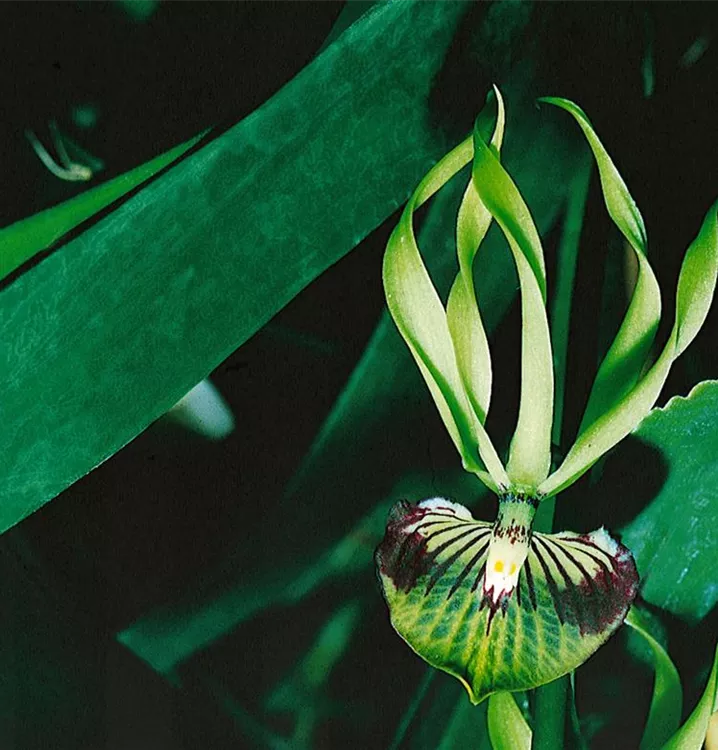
{"x": 497, "y": 605}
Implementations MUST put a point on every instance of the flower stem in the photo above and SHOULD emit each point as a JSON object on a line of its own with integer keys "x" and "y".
{"x": 550, "y": 700}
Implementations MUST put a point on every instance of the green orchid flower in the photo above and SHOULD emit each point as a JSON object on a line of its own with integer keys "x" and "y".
{"x": 501, "y": 607}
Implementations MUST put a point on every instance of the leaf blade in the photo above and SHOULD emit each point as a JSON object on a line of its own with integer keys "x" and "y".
{"x": 161, "y": 276}
{"x": 25, "y": 238}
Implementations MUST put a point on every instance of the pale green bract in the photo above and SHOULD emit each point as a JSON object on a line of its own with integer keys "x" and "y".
{"x": 496, "y": 605}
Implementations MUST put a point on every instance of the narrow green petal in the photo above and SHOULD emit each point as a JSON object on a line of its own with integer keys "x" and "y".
{"x": 462, "y": 312}
{"x": 420, "y": 317}
{"x": 693, "y": 733}
{"x": 624, "y": 361}
{"x": 696, "y": 286}
{"x": 664, "y": 715}
{"x": 530, "y": 453}
{"x": 508, "y": 730}
{"x": 572, "y": 593}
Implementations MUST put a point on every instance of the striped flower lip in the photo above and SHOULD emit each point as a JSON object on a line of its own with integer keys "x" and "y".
{"x": 565, "y": 598}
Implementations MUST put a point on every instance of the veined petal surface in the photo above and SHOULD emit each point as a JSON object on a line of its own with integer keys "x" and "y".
{"x": 573, "y": 591}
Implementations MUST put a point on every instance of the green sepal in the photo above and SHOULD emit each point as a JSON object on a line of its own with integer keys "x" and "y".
{"x": 419, "y": 315}
{"x": 696, "y": 287}
{"x": 692, "y": 733}
{"x": 508, "y": 729}
{"x": 530, "y": 451}
{"x": 573, "y": 592}
{"x": 665, "y": 712}
{"x": 626, "y": 358}
{"x": 462, "y": 312}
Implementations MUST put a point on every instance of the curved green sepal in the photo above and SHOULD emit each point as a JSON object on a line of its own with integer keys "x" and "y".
{"x": 421, "y": 319}
{"x": 664, "y": 715}
{"x": 508, "y": 730}
{"x": 530, "y": 452}
{"x": 692, "y": 734}
{"x": 696, "y": 287}
{"x": 572, "y": 592}
{"x": 625, "y": 359}
{"x": 462, "y": 312}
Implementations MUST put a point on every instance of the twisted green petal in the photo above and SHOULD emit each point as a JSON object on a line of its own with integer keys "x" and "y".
{"x": 626, "y": 358}
{"x": 696, "y": 287}
{"x": 530, "y": 452}
{"x": 420, "y": 317}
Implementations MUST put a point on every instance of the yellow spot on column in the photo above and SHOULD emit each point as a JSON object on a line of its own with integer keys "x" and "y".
{"x": 499, "y": 566}
{"x": 513, "y": 568}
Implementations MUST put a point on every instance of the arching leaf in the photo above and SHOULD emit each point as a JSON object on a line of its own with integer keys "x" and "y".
{"x": 693, "y": 732}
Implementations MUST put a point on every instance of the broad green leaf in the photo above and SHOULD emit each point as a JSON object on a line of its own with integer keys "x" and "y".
{"x": 462, "y": 313}
{"x": 116, "y": 326}
{"x": 622, "y": 365}
{"x": 696, "y": 286}
{"x": 665, "y": 712}
{"x": 22, "y": 240}
{"x": 507, "y": 727}
{"x": 674, "y": 539}
{"x": 530, "y": 454}
{"x": 693, "y": 732}
{"x": 573, "y": 592}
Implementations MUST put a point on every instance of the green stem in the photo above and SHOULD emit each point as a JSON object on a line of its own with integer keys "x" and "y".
{"x": 565, "y": 277}
{"x": 550, "y": 700}
{"x": 550, "y": 715}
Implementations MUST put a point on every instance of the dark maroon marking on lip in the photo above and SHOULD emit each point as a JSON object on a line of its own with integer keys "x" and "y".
{"x": 530, "y": 584}
{"x": 439, "y": 570}
{"x": 448, "y": 526}
{"x": 588, "y": 543}
{"x": 403, "y": 555}
{"x": 479, "y": 576}
{"x": 600, "y": 562}
{"x": 586, "y": 576}
{"x": 487, "y": 602}
{"x": 570, "y": 595}
{"x": 467, "y": 569}
{"x": 400, "y": 554}
{"x": 518, "y": 589}
{"x": 552, "y": 588}
{"x": 595, "y": 603}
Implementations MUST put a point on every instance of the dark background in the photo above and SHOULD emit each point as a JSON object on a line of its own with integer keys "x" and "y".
{"x": 168, "y": 510}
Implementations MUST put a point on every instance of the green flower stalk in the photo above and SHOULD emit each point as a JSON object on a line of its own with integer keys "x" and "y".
{"x": 498, "y": 605}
